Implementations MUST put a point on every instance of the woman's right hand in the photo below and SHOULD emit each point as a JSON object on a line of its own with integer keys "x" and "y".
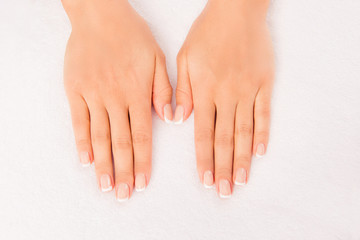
{"x": 113, "y": 71}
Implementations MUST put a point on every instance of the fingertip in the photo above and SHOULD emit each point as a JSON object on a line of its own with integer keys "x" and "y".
{"x": 123, "y": 192}
{"x": 85, "y": 158}
{"x": 240, "y": 177}
{"x": 105, "y": 182}
{"x": 168, "y": 115}
{"x": 259, "y": 150}
{"x": 179, "y": 115}
{"x": 182, "y": 113}
{"x": 140, "y": 182}
{"x": 208, "y": 179}
{"x": 224, "y": 188}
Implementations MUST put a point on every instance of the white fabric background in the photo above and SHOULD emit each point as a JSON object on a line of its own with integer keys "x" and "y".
{"x": 307, "y": 187}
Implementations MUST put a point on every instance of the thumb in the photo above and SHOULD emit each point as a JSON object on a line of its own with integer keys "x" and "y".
{"x": 162, "y": 91}
{"x": 184, "y": 101}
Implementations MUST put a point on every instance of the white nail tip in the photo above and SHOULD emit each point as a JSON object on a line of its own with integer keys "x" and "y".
{"x": 167, "y": 120}
{"x": 140, "y": 189}
{"x": 122, "y": 199}
{"x": 239, "y": 183}
{"x": 86, "y": 165}
{"x": 258, "y": 156}
{"x": 106, "y": 189}
{"x": 225, "y": 196}
{"x": 179, "y": 122}
{"x": 208, "y": 186}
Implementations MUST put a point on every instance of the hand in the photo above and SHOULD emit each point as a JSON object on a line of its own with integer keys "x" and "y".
{"x": 225, "y": 70}
{"x": 114, "y": 70}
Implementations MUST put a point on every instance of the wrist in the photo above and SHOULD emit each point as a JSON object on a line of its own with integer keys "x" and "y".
{"x": 252, "y": 9}
{"x": 79, "y": 11}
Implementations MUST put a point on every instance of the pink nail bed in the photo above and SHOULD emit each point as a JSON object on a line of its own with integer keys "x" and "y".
{"x": 85, "y": 159}
{"x": 179, "y": 115}
{"x": 122, "y": 192}
{"x": 224, "y": 188}
{"x": 260, "y": 150}
{"x": 140, "y": 182}
{"x": 168, "y": 113}
{"x": 208, "y": 179}
{"x": 240, "y": 177}
{"x": 105, "y": 183}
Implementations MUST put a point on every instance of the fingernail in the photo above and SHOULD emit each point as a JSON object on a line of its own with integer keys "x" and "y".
{"x": 240, "y": 177}
{"x": 140, "y": 182}
{"x": 85, "y": 159}
{"x": 105, "y": 183}
{"x": 224, "y": 189}
{"x": 260, "y": 150}
{"x": 208, "y": 179}
{"x": 168, "y": 113}
{"x": 179, "y": 115}
{"x": 122, "y": 192}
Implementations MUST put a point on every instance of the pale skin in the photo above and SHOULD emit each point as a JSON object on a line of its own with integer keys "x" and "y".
{"x": 115, "y": 71}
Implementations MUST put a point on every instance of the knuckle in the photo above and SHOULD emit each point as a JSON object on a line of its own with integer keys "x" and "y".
{"x": 243, "y": 130}
{"x": 83, "y": 142}
{"x": 242, "y": 158}
{"x": 165, "y": 92}
{"x": 103, "y": 167}
{"x": 261, "y": 134}
{"x": 182, "y": 93}
{"x": 143, "y": 165}
{"x": 120, "y": 143}
{"x": 224, "y": 140}
{"x": 122, "y": 175}
{"x": 204, "y": 135}
{"x": 264, "y": 112}
{"x": 141, "y": 138}
{"x": 223, "y": 172}
{"x": 100, "y": 137}
{"x": 80, "y": 122}
{"x": 204, "y": 160}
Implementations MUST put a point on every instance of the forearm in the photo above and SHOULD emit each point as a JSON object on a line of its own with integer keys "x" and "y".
{"x": 74, "y": 4}
{"x": 98, "y": 12}
{"x": 250, "y": 9}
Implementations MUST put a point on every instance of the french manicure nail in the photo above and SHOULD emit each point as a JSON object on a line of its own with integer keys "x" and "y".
{"x": 85, "y": 159}
{"x": 224, "y": 188}
{"x": 140, "y": 182}
{"x": 168, "y": 113}
{"x": 208, "y": 179}
{"x": 122, "y": 192}
{"x": 105, "y": 183}
{"x": 240, "y": 177}
{"x": 260, "y": 150}
{"x": 179, "y": 115}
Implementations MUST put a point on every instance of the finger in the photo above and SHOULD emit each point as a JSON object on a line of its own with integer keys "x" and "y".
{"x": 204, "y": 114}
{"x": 162, "y": 91}
{"x": 243, "y": 141}
{"x": 140, "y": 121}
{"x": 81, "y": 125}
{"x": 262, "y": 120}
{"x": 122, "y": 151}
{"x": 184, "y": 101}
{"x": 224, "y": 148}
{"x": 100, "y": 138}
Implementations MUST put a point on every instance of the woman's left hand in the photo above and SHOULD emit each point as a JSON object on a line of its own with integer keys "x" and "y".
{"x": 225, "y": 70}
